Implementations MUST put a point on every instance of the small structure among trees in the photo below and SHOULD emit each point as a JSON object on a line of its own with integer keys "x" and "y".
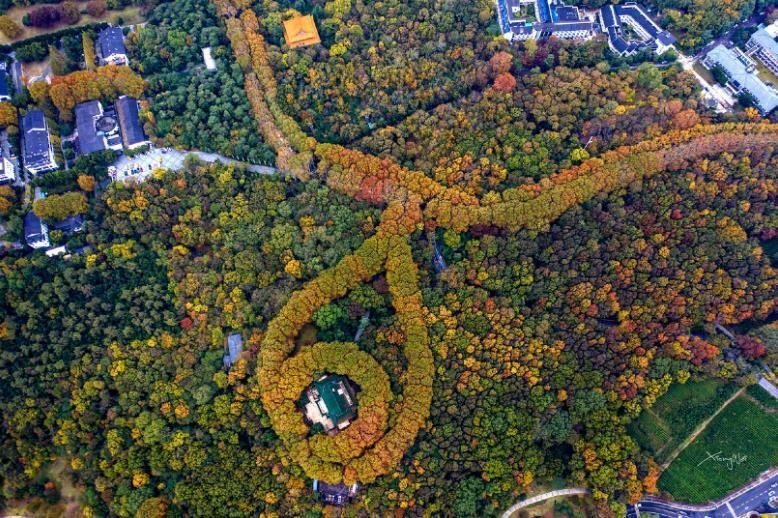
{"x": 301, "y": 31}
{"x": 335, "y": 494}
{"x": 330, "y": 402}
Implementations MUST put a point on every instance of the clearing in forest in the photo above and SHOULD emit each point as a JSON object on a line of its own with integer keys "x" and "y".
{"x": 676, "y": 414}
{"x": 733, "y": 449}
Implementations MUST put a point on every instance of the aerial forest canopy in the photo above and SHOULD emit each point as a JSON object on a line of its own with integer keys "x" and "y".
{"x": 527, "y": 266}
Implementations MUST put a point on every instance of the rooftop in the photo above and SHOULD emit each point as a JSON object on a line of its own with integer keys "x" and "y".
{"x": 5, "y": 89}
{"x": 129, "y": 121}
{"x": 111, "y": 41}
{"x": 301, "y": 31}
{"x": 766, "y": 40}
{"x": 766, "y": 97}
{"x": 335, "y": 494}
{"x": 566, "y": 13}
{"x": 36, "y": 142}
{"x": 34, "y": 228}
{"x": 234, "y": 348}
{"x": 89, "y": 140}
{"x": 70, "y": 224}
{"x": 331, "y": 402}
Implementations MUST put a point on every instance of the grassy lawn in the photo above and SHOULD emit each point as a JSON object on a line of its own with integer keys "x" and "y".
{"x": 676, "y": 414}
{"x": 130, "y": 15}
{"x": 743, "y": 438}
{"x": 765, "y": 74}
{"x": 704, "y": 72}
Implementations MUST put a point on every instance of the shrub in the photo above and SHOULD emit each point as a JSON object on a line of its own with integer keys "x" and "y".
{"x": 32, "y": 52}
{"x": 9, "y": 27}
{"x": 45, "y": 16}
{"x": 96, "y": 8}
{"x": 70, "y": 13}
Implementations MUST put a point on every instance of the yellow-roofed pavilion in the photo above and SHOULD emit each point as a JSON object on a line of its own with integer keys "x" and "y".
{"x": 301, "y": 32}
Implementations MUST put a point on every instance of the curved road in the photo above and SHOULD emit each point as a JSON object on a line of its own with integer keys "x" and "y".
{"x": 752, "y": 497}
{"x": 545, "y": 496}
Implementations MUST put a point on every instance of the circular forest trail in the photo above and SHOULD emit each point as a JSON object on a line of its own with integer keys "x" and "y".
{"x": 412, "y": 201}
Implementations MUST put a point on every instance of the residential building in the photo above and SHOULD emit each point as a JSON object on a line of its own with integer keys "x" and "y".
{"x": 301, "y": 31}
{"x": 37, "y": 151}
{"x": 36, "y": 233}
{"x": 613, "y": 19}
{"x": 762, "y": 46}
{"x": 331, "y": 403}
{"x": 131, "y": 129}
{"x": 5, "y": 86}
{"x": 97, "y": 130}
{"x": 110, "y": 47}
{"x": 7, "y": 171}
{"x": 335, "y": 494}
{"x": 741, "y": 72}
{"x": 234, "y": 348}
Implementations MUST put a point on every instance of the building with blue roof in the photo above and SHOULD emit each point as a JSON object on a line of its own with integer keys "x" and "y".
{"x": 97, "y": 130}
{"x": 741, "y": 72}
{"x": 234, "y": 348}
{"x": 651, "y": 36}
{"x": 37, "y": 151}
{"x": 128, "y": 112}
{"x": 71, "y": 224}
{"x": 762, "y": 46}
{"x": 5, "y": 86}
{"x": 110, "y": 47}
{"x": 36, "y": 233}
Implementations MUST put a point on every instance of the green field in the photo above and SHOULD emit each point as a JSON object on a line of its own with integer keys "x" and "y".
{"x": 763, "y": 397}
{"x": 675, "y": 415}
{"x": 743, "y": 438}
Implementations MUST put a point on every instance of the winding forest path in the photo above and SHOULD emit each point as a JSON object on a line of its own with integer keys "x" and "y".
{"x": 412, "y": 201}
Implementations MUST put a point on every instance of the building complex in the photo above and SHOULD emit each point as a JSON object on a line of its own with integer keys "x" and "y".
{"x": 740, "y": 70}
{"x": 762, "y": 46}
{"x": 115, "y": 127}
{"x": 621, "y": 22}
{"x": 628, "y": 27}
{"x": 541, "y": 19}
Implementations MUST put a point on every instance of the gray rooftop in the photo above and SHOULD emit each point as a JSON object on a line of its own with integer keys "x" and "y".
{"x": 33, "y": 228}
{"x": 129, "y": 121}
{"x": 36, "y": 138}
{"x": 89, "y": 140}
{"x": 111, "y": 41}
{"x": 765, "y": 96}
{"x": 766, "y": 41}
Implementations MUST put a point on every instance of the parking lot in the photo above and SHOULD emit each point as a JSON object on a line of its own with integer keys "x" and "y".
{"x": 141, "y": 166}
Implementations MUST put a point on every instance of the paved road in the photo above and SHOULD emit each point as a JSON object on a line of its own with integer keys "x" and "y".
{"x": 737, "y": 504}
{"x": 753, "y": 21}
{"x": 545, "y": 496}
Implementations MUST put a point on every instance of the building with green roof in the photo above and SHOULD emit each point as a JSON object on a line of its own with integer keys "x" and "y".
{"x": 330, "y": 402}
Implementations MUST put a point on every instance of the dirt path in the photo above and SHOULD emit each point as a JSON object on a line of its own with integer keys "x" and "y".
{"x": 699, "y": 430}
